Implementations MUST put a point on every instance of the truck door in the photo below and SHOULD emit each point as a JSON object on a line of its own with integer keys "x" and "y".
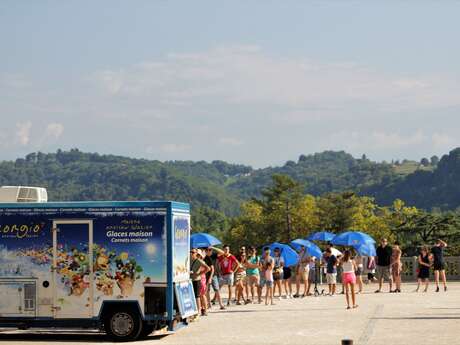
{"x": 72, "y": 269}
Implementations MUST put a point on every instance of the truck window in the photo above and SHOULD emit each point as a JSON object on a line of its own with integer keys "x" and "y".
{"x": 27, "y": 195}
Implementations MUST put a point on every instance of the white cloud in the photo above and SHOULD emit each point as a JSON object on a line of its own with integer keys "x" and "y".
{"x": 110, "y": 80}
{"x": 410, "y": 84}
{"x": 200, "y": 105}
{"x": 382, "y": 140}
{"x": 230, "y": 141}
{"x": 54, "y": 130}
{"x": 245, "y": 75}
{"x": 15, "y": 81}
{"x": 397, "y": 142}
{"x": 23, "y": 132}
{"x": 4, "y": 141}
{"x": 443, "y": 141}
{"x": 174, "y": 148}
{"x": 377, "y": 140}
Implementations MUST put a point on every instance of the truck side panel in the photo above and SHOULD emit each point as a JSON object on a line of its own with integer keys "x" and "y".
{"x": 126, "y": 252}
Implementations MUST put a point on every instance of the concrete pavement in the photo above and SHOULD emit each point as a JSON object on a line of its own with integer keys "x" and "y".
{"x": 381, "y": 319}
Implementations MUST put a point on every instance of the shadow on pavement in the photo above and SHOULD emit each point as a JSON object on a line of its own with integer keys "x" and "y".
{"x": 419, "y": 318}
{"x": 271, "y": 310}
{"x": 64, "y": 337}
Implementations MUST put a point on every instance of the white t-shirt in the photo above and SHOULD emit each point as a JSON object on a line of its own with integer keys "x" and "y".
{"x": 348, "y": 266}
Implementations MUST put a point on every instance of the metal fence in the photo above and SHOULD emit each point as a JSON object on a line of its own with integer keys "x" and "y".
{"x": 410, "y": 266}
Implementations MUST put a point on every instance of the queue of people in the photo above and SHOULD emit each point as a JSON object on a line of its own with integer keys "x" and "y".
{"x": 250, "y": 278}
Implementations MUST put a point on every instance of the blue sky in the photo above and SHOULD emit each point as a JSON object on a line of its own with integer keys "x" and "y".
{"x": 254, "y": 82}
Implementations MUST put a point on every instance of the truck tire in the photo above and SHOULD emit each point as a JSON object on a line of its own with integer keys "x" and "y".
{"x": 147, "y": 329}
{"x": 123, "y": 325}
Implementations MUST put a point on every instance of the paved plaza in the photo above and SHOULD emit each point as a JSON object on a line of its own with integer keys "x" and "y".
{"x": 406, "y": 318}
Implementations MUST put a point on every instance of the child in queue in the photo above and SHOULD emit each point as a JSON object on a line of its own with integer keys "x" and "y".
{"x": 266, "y": 275}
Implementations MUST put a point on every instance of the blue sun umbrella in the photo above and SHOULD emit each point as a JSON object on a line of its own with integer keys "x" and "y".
{"x": 366, "y": 249}
{"x": 288, "y": 254}
{"x": 203, "y": 240}
{"x": 352, "y": 238}
{"x": 312, "y": 249}
{"x": 321, "y": 236}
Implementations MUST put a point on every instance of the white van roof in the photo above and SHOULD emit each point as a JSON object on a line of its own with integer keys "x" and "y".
{"x": 12, "y": 194}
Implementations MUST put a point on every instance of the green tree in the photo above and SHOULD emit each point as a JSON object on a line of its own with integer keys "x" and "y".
{"x": 434, "y": 160}
{"x": 279, "y": 202}
{"x": 425, "y": 162}
{"x": 425, "y": 228}
{"x": 336, "y": 211}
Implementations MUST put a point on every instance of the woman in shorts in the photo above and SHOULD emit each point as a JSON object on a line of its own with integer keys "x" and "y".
{"x": 349, "y": 278}
{"x": 252, "y": 274}
{"x": 240, "y": 278}
{"x": 287, "y": 282}
{"x": 424, "y": 264}
{"x": 302, "y": 272}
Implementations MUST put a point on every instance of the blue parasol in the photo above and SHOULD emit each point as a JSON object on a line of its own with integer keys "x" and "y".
{"x": 312, "y": 249}
{"x": 352, "y": 238}
{"x": 203, "y": 240}
{"x": 366, "y": 249}
{"x": 288, "y": 254}
{"x": 321, "y": 236}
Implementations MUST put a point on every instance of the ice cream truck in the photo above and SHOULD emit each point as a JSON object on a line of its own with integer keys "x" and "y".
{"x": 121, "y": 267}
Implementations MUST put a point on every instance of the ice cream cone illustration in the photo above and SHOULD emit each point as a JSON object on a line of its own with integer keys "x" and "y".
{"x": 126, "y": 285}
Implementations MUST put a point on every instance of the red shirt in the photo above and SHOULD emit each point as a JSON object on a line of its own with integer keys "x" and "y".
{"x": 226, "y": 264}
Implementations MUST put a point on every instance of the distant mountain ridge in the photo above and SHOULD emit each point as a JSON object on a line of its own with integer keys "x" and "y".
{"x": 220, "y": 186}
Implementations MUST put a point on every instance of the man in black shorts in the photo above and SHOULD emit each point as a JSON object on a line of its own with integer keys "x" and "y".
{"x": 439, "y": 265}
{"x": 383, "y": 258}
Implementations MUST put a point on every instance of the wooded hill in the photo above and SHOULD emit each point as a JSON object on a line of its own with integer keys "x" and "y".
{"x": 220, "y": 186}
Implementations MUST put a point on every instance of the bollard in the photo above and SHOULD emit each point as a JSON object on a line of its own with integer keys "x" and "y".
{"x": 347, "y": 342}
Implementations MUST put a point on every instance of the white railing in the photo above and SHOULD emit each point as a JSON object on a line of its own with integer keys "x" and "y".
{"x": 410, "y": 266}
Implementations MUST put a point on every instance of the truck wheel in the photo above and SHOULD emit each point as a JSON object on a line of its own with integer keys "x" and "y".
{"x": 123, "y": 325}
{"x": 147, "y": 329}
